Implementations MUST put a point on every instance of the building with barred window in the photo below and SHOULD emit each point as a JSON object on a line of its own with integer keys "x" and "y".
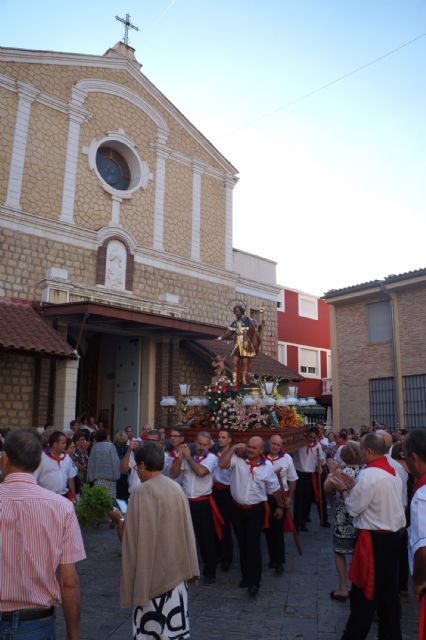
{"x": 116, "y": 230}
{"x": 378, "y": 338}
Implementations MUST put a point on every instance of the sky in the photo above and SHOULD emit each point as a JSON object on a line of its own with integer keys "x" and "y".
{"x": 332, "y": 179}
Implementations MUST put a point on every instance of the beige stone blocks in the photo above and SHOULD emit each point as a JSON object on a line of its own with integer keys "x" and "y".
{"x": 16, "y": 390}
{"x": 44, "y": 162}
{"x": 178, "y": 209}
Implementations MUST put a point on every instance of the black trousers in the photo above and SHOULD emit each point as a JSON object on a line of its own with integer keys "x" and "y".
{"x": 205, "y": 535}
{"x": 303, "y": 498}
{"x": 386, "y": 550}
{"x": 275, "y": 535}
{"x": 225, "y": 505}
{"x": 248, "y": 525}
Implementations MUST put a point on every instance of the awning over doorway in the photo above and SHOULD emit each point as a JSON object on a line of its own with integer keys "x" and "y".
{"x": 263, "y": 365}
{"x": 22, "y": 329}
{"x": 105, "y": 318}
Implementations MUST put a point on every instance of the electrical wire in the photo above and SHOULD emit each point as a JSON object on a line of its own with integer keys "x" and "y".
{"x": 327, "y": 84}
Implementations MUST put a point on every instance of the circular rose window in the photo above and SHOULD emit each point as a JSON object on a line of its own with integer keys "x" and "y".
{"x": 113, "y": 168}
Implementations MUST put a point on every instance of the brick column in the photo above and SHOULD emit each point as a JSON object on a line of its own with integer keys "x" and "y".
{"x": 27, "y": 94}
{"x": 65, "y": 392}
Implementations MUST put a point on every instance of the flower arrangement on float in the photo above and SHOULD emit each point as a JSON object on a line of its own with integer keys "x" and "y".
{"x": 266, "y": 409}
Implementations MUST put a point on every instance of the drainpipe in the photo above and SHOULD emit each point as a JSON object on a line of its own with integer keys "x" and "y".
{"x": 395, "y": 360}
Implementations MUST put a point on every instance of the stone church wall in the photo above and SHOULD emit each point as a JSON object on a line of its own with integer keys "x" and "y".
{"x": 16, "y": 390}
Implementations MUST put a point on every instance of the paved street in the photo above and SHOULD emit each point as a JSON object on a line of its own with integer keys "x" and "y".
{"x": 294, "y": 606}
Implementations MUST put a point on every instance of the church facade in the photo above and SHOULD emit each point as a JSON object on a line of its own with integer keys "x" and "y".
{"x": 116, "y": 222}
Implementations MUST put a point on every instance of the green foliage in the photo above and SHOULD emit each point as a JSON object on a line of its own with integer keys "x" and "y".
{"x": 95, "y": 503}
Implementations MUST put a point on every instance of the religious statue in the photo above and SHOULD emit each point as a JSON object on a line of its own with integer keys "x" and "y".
{"x": 246, "y": 337}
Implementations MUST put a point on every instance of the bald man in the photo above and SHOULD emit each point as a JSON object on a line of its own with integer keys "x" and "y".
{"x": 252, "y": 479}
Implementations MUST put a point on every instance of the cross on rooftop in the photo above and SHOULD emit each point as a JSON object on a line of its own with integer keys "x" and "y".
{"x": 127, "y": 25}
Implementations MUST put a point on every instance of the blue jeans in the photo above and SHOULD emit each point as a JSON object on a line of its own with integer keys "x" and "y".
{"x": 28, "y": 629}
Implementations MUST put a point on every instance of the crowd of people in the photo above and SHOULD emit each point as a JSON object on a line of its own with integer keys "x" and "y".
{"x": 207, "y": 493}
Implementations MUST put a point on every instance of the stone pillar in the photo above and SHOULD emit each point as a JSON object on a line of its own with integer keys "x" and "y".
{"x": 160, "y": 184}
{"x": 65, "y": 392}
{"x": 229, "y": 186}
{"x": 27, "y": 94}
{"x": 197, "y": 171}
{"x": 77, "y": 115}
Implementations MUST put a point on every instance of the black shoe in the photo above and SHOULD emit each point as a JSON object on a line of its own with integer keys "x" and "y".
{"x": 253, "y": 590}
{"x": 209, "y": 579}
{"x": 243, "y": 584}
{"x": 327, "y": 525}
{"x": 271, "y": 564}
{"x": 279, "y": 569}
{"x": 225, "y": 566}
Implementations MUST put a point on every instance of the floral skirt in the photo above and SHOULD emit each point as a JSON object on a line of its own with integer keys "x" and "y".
{"x": 109, "y": 484}
{"x": 164, "y": 617}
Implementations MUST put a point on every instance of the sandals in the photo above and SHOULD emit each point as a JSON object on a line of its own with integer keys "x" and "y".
{"x": 336, "y": 596}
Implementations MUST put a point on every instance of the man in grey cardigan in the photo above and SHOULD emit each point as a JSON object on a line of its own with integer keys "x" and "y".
{"x": 159, "y": 551}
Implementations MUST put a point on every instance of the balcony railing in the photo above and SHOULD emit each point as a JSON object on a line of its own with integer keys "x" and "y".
{"x": 327, "y": 386}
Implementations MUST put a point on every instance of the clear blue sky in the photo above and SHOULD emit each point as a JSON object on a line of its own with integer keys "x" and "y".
{"x": 333, "y": 187}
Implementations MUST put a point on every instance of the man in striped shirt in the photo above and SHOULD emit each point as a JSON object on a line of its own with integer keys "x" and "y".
{"x": 40, "y": 542}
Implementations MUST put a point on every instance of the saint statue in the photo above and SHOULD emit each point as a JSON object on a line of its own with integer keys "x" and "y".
{"x": 246, "y": 338}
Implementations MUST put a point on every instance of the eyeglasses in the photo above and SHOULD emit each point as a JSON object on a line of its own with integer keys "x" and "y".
{"x": 176, "y": 436}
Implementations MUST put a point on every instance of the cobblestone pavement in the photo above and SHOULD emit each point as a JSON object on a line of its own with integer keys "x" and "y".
{"x": 294, "y": 606}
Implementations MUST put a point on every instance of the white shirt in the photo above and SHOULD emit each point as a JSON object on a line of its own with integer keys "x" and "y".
{"x": 251, "y": 485}
{"x": 375, "y": 501}
{"x": 287, "y": 469}
{"x": 169, "y": 458}
{"x": 134, "y": 480}
{"x": 53, "y": 474}
{"x": 417, "y": 528}
{"x": 221, "y": 475}
{"x": 402, "y": 474}
{"x": 196, "y": 486}
{"x": 306, "y": 458}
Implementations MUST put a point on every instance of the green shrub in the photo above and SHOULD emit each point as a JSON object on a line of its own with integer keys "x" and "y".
{"x": 95, "y": 503}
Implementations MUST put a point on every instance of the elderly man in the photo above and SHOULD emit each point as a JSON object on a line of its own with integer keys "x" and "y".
{"x": 40, "y": 542}
{"x": 374, "y": 502}
{"x": 252, "y": 479}
{"x": 196, "y": 472}
{"x": 159, "y": 552}
{"x": 415, "y": 454}
{"x": 287, "y": 477}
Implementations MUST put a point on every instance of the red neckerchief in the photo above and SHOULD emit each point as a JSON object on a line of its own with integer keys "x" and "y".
{"x": 320, "y": 438}
{"x": 199, "y": 459}
{"x": 420, "y": 482}
{"x": 173, "y": 454}
{"x": 278, "y": 457}
{"x": 253, "y": 465}
{"x": 48, "y": 452}
{"x": 311, "y": 446}
{"x": 381, "y": 463}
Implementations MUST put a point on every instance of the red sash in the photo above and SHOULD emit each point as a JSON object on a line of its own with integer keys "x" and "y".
{"x": 361, "y": 571}
{"x": 246, "y": 507}
{"x": 217, "y": 518}
{"x": 267, "y": 515}
{"x": 315, "y": 487}
{"x": 219, "y": 486}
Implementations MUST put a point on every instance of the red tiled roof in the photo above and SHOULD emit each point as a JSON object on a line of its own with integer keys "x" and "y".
{"x": 262, "y": 365}
{"x": 22, "y": 329}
